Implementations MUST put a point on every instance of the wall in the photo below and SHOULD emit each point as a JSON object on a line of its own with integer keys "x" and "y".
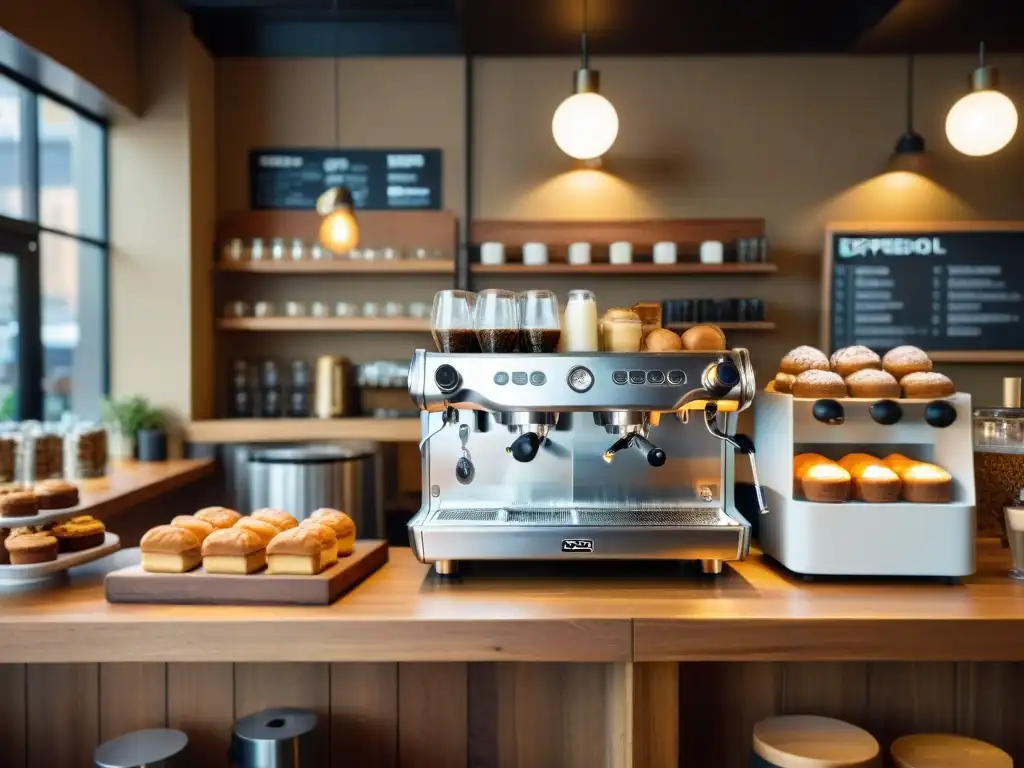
{"x": 161, "y": 193}
{"x": 96, "y": 39}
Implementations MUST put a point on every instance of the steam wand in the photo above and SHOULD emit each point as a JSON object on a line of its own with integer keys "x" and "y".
{"x": 741, "y": 443}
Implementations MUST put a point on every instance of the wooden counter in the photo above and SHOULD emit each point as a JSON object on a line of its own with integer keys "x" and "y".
{"x": 298, "y": 430}
{"x": 134, "y": 482}
{"x": 628, "y": 612}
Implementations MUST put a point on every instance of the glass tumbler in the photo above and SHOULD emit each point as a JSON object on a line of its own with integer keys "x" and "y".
{"x": 496, "y": 320}
{"x": 451, "y": 321}
{"x": 539, "y": 328}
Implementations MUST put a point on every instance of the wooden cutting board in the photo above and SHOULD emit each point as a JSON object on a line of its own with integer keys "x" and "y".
{"x": 134, "y": 585}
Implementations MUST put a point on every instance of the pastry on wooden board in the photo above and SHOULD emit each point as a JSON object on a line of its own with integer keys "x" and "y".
{"x": 199, "y": 528}
{"x": 218, "y": 517}
{"x": 169, "y": 549}
{"x": 234, "y": 550}
{"x": 343, "y": 526}
{"x": 327, "y": 538}
{"x": 300, "y": 551}
{"x": 276, "y": 517}
{"x": 262, "y": 528}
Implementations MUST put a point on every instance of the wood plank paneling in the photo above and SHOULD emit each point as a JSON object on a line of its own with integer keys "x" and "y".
{"x": 828, "y": 689}
{"x": 364, "y": 715}
{"x": 307, "y": 686}
{"x": 911, "y": 698}
{"x": 13, "y": 722}
{"x": 201, "y": 702}
{"x": 619, "y": 690}
{"x": 62, "y": 706}
{"x": 655, "y": 715}
{"x": 432, "y": 715}
{"x": 132, "y": 697}
{"x": 989, "y": 701}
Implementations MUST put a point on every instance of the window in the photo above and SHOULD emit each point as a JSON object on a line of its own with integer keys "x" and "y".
{"x": 53, "y": 257}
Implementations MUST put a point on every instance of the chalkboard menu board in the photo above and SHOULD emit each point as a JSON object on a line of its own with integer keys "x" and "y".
{"x": 953, "y": 289}
{"x": 380, "y": 179}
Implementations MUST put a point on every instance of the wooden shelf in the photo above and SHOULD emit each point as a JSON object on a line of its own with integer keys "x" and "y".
{"x": 343, "y": 266}
{"x": 683, "y": 268}
{"x": 349, "y": 324}
{"x": 284, "y": 430}
{"x": 749, "y": 326}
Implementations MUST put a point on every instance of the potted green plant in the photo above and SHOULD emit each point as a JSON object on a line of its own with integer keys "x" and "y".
{"x": 151, "y": 436}
{"x": 136, "y": 429}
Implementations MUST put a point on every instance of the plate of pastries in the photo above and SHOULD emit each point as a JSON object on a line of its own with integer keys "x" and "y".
{"x": 857, "y": 371}
{"x": 867, "y": 478}
{"x": 223, "y": 541}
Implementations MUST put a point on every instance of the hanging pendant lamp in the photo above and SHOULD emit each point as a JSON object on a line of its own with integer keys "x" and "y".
{"x": 339, "y": 230}
{"x": 983, "y": 121}
{"x": 585, "y": 124}
{"x": 909, "y": 154}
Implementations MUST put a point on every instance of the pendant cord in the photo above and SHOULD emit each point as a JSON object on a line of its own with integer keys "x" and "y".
{"x": 583, "y": 38}
{"x": 981, "y": 53}
{"x": 910, "y": 94}
{"x": 337, "y": 87}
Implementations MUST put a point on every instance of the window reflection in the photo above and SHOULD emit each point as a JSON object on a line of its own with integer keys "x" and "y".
{"x": 71, "y": 160}
{"x": 14, "y": 103}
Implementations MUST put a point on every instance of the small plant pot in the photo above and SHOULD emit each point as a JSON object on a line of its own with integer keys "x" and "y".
{"x": 121, "y": 447}
{"x": 152, "y": 445}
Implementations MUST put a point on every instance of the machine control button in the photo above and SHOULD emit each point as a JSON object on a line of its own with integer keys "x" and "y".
{"x": 676, "y": 377}
{"x": 655, "y": 377}
{"x": 580, "y": 379}
{"x": 501, "y": 378}
{"x": 637, "y": 377}
{"x": 538, "y": 379}
{"x": 620, "y": 377}
{"x": 447, "y": 378}
{"x": 520, "y": 378}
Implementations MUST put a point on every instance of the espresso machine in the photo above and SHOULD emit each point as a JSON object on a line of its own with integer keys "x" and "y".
{"x": 581, "y": 456}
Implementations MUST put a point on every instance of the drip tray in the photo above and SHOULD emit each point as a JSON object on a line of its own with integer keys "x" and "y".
{"x": 683, "y": 517}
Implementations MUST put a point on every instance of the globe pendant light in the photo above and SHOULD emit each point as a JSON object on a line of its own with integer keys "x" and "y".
{"x": 339, "y": 230}
{"x": 983, "y": 121}
{"x": 585, "y": 124}
{"x": 909, "y": 154}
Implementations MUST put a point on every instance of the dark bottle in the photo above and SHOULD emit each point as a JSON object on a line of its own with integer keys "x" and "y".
{"x": 270, "y": 386}
{"x": 241, "y": 392}
{"x": 299, "y": 405}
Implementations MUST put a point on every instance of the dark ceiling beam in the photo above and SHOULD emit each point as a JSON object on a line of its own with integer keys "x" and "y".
{"x": 947, "y": 26}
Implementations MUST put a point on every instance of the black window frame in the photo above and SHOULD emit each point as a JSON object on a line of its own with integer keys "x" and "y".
{"x": 22, "y": 240}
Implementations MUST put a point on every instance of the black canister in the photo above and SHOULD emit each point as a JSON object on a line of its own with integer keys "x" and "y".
{"x": 152, "y": 748}
{"x": 275, "y": 738}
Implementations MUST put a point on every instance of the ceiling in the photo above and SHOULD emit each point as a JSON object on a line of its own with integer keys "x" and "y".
{"x": 616, "y": 27}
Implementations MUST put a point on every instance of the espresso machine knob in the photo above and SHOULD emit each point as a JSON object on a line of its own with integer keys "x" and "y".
{"x": 447, "y": 378}
{"x": 720, "y": 378}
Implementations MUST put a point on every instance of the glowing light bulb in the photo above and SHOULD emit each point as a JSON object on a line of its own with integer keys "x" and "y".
{"x": 981, "y": 123}
{"x": 339, "y": 231}
{"x": 585, "y": 125}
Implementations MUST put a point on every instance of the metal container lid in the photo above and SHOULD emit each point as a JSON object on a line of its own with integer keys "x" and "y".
{"x": 152, "y": 748}
{"x": 999, "y": 413}
{"x": 314, "y": 454}
{"x": 275, "y": 738}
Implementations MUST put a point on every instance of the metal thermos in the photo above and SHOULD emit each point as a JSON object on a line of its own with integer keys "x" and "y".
{"x": 333, "y": 375}
{"x": 152, "y": 748}
{"x": 275, "y": 738}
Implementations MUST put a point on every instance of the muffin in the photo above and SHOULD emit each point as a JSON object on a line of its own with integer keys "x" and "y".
{"x": 825, "y": 482}
{"x": 31, "y": 548}
{"x": 927, "y": 384}
{"x": 803, "y": 359}
{"x": 799, "y": 463}
{"x": 818, "y": 383}
{"x": 78, "y": 534}
{"x": 277, "y": 518}
{"x": 872, "y": 480}
{"x": 56, "y": 494}
{"x": 852, "y": 359}
{"x": 923, "y": 483}
{"x": 870, "y": 382}
{"x": 218, "y": 517}
{"x": 19, "y": 504}
{"x": 899, "y": 361}
{"x": 706, "y": 337}
{"x": 784, "y": 382}
{"x": 663, "y": 340}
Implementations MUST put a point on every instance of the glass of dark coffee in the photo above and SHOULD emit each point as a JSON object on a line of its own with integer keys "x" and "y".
{"x": 496, "y": 319}
{"x": 539, "y": 328}
{"x": 451, "y": 321}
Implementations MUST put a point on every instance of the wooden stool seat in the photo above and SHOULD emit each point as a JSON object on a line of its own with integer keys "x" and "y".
{"x": 809, "y": 741}
{"x": 945, "y": 750}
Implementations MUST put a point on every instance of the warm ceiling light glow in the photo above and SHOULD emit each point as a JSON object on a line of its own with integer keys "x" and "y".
{"x": 983, "y": 121}
{"x": 339, "y": 231}
{"x": 585, "y": 125}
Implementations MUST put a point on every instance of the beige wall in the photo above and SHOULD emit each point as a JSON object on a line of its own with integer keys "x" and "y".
{"x": 798, "y": 141}
{"x": 161, "y": 199}
{"x": 96, "y": 39}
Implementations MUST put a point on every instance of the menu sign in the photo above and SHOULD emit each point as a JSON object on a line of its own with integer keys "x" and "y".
{"x": 960, "y": 289}
{"x": 380, "y": 179}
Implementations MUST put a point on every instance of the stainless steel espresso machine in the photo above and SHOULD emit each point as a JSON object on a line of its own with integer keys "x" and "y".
{"x": 580, "y": 455}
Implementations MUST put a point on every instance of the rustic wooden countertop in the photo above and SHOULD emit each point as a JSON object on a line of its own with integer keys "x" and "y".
{"x": 134, "y": 482}
{"x": 550, "y": 612}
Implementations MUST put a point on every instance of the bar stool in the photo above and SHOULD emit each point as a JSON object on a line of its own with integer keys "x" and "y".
{"x": 809, "y": 741}
{"x": 946, "y": 750}
{"x": 152, "y": 748}
{"x": 275, "y": 738}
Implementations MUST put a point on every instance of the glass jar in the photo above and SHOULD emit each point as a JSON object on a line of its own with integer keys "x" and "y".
{"x": 277, "y": 249}
{"x": 8, "y": 457}
{"x": 998, "y": 465}
{"x": 256, "y": 249}
{"x": 298, "y": 250}
{"x": 579, "y": 324}
{"x": 621, "y": 331}
{"x": 85, "y": 452}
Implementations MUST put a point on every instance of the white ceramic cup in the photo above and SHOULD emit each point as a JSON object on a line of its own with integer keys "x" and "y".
{"x": 579, "y": 253}
{"x": 620, "y": 253}
{"x": 492, "y": 253}
{"x": 665, "y": 253}
{"x": 711, "y": 252}
{"x": 535, "y": 253}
